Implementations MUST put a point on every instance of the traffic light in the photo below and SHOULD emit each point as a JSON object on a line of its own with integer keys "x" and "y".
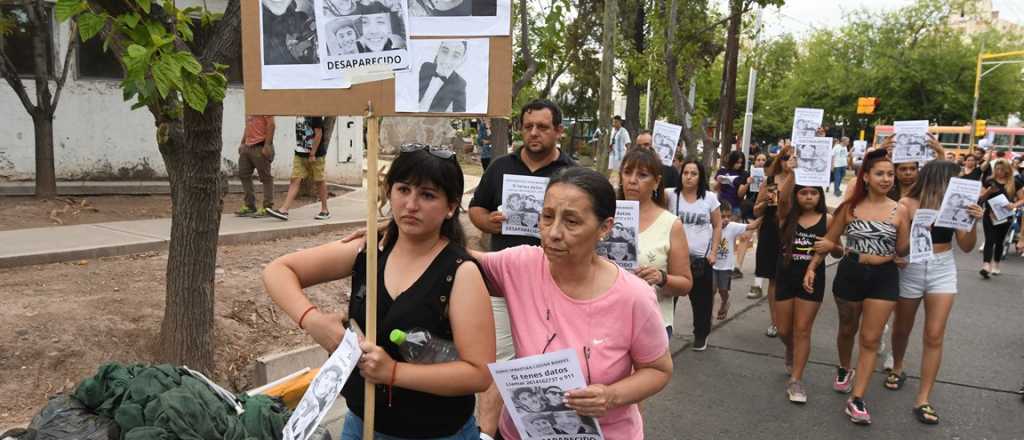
{"x": 980, "y": 128}
{"x": 867, "y": 106}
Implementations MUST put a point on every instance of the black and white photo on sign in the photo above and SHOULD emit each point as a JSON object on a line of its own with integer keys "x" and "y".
{"x": 444, "y": 18}
{"x": 806, "y": 122}
{"x": 445, "y": 76}
{"x": 522, "y": 199}
{"x": 910, "y": 142}
{"x": 666, "y": 138}
{"x": 1001, "y": 209}
{"x": 960, "y": 195}
{"x": 921, "y": 247}
{"x": 813, "y": 160}
{"x": 620, "y": 246}
{"x": 324, "y": 390}
{"x": 757, "y": 178}
{"x": 362, "y": 36}
{"x": 289, "y": 52}
{"x": 533, "y": 390}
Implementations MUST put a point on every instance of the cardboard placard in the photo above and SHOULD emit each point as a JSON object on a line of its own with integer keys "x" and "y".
{"x": 353, "y": 101}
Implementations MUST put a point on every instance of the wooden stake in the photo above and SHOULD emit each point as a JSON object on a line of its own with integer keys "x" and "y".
{"x": 372, "y": 147}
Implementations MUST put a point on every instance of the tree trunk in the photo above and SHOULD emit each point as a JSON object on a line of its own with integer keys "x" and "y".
{"x": 499, "y": 138}
{"x": 605, "y": 107}
{"x": 633, "y": 93}
{"x": 727, "y": 106}
{"x": 192, "y": 155}
{"x": 46, "y": 180}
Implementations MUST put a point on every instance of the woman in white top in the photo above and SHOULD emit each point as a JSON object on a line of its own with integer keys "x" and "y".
{"x": 698, "y": 209}
{"x": 663, "y": 252}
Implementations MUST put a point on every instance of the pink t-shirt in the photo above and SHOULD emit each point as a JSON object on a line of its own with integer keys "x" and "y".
{"x": 620, "y": 327}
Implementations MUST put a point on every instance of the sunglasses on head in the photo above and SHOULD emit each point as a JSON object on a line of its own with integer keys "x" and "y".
{"x": 437, "y": 151}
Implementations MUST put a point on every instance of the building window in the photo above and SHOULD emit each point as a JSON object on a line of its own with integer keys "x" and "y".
{"x": 18, "y": 44}
{"x": 94, "y": 62}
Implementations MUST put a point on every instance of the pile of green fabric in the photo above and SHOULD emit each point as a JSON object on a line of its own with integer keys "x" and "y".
{"x": 167, "y": 403}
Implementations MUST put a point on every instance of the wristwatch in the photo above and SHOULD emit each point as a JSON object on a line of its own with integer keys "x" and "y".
{"x": 664, "y": 278}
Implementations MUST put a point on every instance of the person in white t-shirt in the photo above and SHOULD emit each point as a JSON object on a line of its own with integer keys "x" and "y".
{"x": 725, "y": 258}
{"x": 698, "y": 209}
{"x": 840, "y": 158}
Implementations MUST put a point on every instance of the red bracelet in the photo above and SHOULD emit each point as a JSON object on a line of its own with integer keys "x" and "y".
{"x": 394, "y": 369}
{"x": 310, "y": 309}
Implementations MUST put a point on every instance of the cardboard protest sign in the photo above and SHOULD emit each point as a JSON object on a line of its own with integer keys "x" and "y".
{"x": 813, "y": 160}
{"x": 361, "y": 36}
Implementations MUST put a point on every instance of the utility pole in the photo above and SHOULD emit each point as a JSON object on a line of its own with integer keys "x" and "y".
{"x": 748, "y": 118}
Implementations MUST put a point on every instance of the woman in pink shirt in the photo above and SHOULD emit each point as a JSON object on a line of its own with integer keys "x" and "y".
{"x": 563, "y": 295}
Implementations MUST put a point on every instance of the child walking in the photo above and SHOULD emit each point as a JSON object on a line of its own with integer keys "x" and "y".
{"x": 725, "y": 257}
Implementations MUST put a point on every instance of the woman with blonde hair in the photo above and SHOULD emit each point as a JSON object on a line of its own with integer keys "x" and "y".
{"x": 1001, "y": 183}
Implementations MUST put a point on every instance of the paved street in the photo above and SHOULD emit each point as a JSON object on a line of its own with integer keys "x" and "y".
{"x": 736, "y": 389}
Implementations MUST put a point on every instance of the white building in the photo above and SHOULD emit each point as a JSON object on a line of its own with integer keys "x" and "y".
{"x": 98, "y": 137}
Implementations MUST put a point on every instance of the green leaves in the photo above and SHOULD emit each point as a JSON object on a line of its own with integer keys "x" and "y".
{"x": 194, "y": 93}
{"x": 89, "y": 25}
{"x": 69, "y": 8}
{"x": 144, "y": 4}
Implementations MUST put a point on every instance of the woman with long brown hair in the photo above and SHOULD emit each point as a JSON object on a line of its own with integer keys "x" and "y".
{"x": 1001, "y": 183}
{"x": 663, "y": 251}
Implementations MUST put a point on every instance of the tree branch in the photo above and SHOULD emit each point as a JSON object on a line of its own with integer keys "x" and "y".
{"x": 10, "y": 73}
{"x": 525, "y": 52}
{"x": 226, "y": 36}
{"x": 72, "y": 45}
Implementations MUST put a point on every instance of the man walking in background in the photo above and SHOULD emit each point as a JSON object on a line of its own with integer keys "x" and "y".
{"x": 256, "y": 152}
{"x": 308, "y": 163}
{"x": 618, "y": 143}
{"x": 840, "y": 157}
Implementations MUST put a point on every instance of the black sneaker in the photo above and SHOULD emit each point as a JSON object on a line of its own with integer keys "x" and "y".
{"x": 700, "y": 343}
{"x": 736, "y": 274}
{"x": 283, "y": 215}
{"x": 323, "y": 215}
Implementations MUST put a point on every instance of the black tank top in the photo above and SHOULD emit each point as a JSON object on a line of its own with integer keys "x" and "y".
{"x": 941, "y": 235}
{"x": 412, "y": 414}
{"x": 803, "y": 247}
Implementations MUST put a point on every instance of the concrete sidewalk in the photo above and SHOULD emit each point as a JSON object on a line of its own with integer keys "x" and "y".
{"x": 24, "y": 247}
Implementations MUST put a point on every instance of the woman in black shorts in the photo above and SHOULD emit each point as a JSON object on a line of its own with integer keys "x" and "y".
{"x": 795, "y": 307}
{"x": 867, "y": 281}
{"x": 768, "y": 209}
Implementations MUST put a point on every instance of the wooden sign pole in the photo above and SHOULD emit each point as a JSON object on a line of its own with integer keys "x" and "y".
{"x": 372, "y": 147}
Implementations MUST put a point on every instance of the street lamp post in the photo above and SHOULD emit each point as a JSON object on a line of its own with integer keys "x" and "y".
{"x": 748, "y": 118}
{"x": 988, "y": 59}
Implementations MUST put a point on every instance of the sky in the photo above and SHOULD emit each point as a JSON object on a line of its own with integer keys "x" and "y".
{"x": 803, "y": 16}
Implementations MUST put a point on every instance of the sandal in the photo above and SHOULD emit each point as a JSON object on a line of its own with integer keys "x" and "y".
{"x": 895, "y": 381}
{"x": 723, "y": 310}
{"x": 926, "y": 414}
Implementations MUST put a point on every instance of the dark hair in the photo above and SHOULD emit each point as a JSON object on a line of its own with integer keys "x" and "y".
{"x": 617, "y": 118}
{"x": 643, "y": 132}
{"x": 860, "y": 189}
{"x": 645, "y": 159}
{"x": 793, "y": 218}
{"x": 732, "y": 158}
{"x": 541, "y": 104}
{"x": 420, "y": 168}
{"x": 598, "y": 189}
{"x": 896, "y": 192}
{"x": 702, "y": 179}
{"x": 725, "y": 206}
{"x": 932, "y": 180}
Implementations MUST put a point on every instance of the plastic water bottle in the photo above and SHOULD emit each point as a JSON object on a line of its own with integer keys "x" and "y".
{"x": 419, "y": 346}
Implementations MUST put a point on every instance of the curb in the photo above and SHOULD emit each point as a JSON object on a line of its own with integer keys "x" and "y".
{"x": 162, "y": 244}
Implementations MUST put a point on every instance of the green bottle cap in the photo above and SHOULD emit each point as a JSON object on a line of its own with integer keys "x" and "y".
{"x": 397, "y": 337}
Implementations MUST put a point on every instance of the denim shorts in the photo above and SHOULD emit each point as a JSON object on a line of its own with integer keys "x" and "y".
{"x": 935, "y": 276}
{"x": 723, "y": 279}
{"x": 353, "y": 430}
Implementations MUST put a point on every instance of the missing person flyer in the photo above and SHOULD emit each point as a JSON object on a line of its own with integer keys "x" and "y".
{"x": 620, "y": 247}
{"x": 522, "y": 199}
{"x": 533, "y": 389}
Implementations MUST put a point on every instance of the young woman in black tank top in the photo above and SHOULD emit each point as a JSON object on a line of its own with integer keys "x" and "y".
{"x": 428, "y": 280}
{"x": 934, "y": 281}
{"x": 795, "y": 308}
{"x": 867, "y": 280}
{"x": 769, "y": 208}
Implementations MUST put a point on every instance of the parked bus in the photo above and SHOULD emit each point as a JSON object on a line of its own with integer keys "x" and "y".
{"x": 958, "y": 139}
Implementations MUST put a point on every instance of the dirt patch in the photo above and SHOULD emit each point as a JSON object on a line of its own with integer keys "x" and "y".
{"x": 60, "y": 322}
{"x": 30, "y": 212}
